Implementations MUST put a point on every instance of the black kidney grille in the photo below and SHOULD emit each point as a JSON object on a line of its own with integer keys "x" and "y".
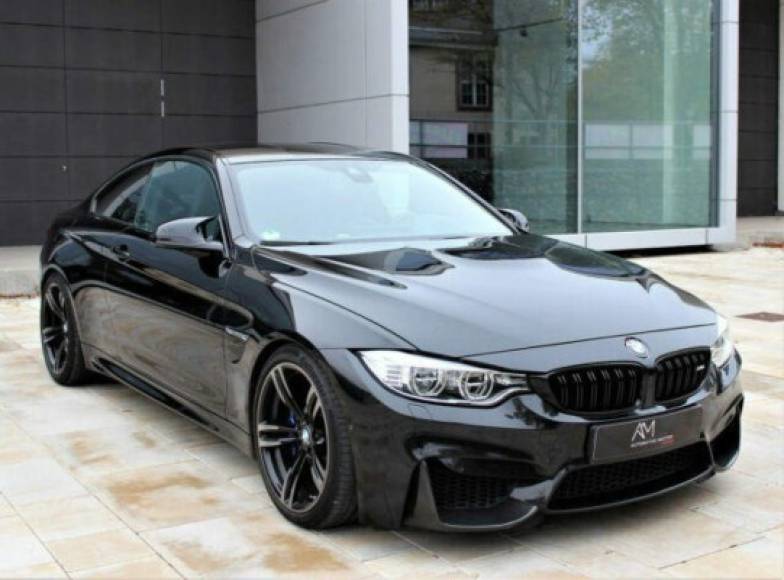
{"x": 680, "y": 375}
{"x": 597, "y": 388}
{"x": 602, "y": 484}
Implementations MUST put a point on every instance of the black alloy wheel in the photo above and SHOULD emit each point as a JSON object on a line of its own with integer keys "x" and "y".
{"x": 54, "y": 331}
{"x": 59, "y": 337}
{"x": 302, "y": 443}
{"x": 293, "y": 440}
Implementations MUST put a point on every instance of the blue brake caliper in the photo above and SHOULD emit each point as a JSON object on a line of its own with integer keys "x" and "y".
{"x": 293, "y": 449}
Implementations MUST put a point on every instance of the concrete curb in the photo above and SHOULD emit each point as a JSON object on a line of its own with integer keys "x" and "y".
{"x": 18, "y": 283}
{"x": 19, "y": 271}
{"x": 761, "y": 231}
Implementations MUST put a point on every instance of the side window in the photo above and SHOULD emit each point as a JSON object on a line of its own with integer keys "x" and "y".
{"x": 178, "y": 189}
{"x": 120, "y": 200}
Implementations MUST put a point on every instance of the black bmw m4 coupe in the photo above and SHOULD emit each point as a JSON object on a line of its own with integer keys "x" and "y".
{"x": 388, "y": 347}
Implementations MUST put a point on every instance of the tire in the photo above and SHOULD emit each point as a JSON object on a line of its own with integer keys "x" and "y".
{"x": 60, "y": 343}
{"x": 286, "y": 437}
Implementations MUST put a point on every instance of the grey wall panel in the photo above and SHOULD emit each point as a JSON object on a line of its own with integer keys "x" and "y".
{"x": 759, "y": 11}
{"x": 16, "y": 223}
{"x": 23, "y": 45}
{"x": 194, "y": 130}
{"x": 756, "y": 201}
{"x": 758, "y": 108}
{"x": 114, "y": 92}
{"x": 758, "y": 174}
{"x": 80, "y": 93}
{"x": 762, "y": 63}
{"x": 189, "y": 94}
{"x": 96, "y": 135}
{"x": 754, "y": 89}
{"x": 33, "y": 179}
{"x": 85, "y": 174}
{"x": 757, "y": 146}
{"x": 208, "y": 54}
{"x": 32, "y": 134}
{"x": 31, "y": 89}
{"x": 222, "y": 17}
{"x": 27, "y": 222}
{"x": 758, "y": 117}
{"x": 113, "y": 49}
{"x": 757, "y": 34}
{"x": 32, "y": 11}
{"x": 120, "y": 14}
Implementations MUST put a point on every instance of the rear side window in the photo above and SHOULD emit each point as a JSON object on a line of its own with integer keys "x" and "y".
{"x": 120, "y": 200}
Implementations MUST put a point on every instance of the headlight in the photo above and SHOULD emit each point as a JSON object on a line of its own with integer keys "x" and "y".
{"x": 722, "y": 349}
{"x": 440, "y": 381}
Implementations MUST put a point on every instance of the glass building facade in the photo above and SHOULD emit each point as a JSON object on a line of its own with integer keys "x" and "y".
{"x": 586, "y": 115}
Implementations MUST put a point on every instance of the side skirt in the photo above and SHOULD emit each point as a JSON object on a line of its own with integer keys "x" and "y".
{"x": 176, "y": 403}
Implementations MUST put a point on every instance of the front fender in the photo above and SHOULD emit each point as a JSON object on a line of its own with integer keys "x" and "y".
{"x": 278, "y": 312}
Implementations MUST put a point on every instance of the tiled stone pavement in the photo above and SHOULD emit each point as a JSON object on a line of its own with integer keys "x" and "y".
{"x": 99, "y": 482}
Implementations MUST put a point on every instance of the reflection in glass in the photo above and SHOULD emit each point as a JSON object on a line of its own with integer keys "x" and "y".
{"x": 494, "y": 101}
{"x": 494, "y": 88}
{"x": 647, "y": 114}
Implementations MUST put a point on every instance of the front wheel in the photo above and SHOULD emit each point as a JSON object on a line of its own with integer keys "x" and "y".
{"x": 302, "y": 439}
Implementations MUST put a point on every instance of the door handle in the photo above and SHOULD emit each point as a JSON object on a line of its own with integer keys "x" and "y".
{"x": 121, "y": 252}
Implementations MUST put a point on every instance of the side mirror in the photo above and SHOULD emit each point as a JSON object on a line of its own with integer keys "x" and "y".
{"x": 517, "y": 218}
{"x": 187, "y": 234}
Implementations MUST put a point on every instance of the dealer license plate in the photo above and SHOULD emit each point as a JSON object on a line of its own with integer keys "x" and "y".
{"x": 630, "y": 439}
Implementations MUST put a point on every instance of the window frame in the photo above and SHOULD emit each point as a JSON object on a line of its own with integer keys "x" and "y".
{"x": 467, "y": 61}
{"x": 474, "y": 148}
{"x": 151, "y": 162}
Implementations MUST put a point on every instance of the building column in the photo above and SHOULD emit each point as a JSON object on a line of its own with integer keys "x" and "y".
{"x": 333, "y": 70}
{"x": 729, "y": 75}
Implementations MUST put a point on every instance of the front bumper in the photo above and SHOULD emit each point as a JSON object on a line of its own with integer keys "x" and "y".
{"x": 478, "y": 469}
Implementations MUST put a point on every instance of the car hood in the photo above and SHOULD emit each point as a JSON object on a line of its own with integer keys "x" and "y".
{"x": 470, "y": 296}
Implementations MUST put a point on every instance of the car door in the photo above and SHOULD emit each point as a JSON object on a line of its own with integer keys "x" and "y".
{"x": 167, "y": 302}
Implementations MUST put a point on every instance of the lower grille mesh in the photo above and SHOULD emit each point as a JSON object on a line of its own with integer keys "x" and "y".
{"x": 458, "y": 491}
{"x": 602, "y": 484}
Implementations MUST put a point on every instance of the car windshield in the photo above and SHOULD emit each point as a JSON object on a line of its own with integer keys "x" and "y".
{"x": 338, "y": 200}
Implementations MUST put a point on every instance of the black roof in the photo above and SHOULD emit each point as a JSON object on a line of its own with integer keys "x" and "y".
{"x": 245, "y": 152}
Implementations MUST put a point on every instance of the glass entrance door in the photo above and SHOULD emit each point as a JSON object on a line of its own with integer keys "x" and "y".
{"x": 646, "y": 112}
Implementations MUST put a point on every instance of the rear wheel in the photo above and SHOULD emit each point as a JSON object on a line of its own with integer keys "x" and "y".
{"x": 302, "y": 437}
{"x": 60, "y": 342}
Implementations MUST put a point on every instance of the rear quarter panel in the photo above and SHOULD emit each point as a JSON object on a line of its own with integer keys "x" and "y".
{"x": 71, "y": 249}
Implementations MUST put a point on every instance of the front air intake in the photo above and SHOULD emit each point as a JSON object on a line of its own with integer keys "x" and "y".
{"x": 599, "y": 485}
{"x": 453, "y": 491}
